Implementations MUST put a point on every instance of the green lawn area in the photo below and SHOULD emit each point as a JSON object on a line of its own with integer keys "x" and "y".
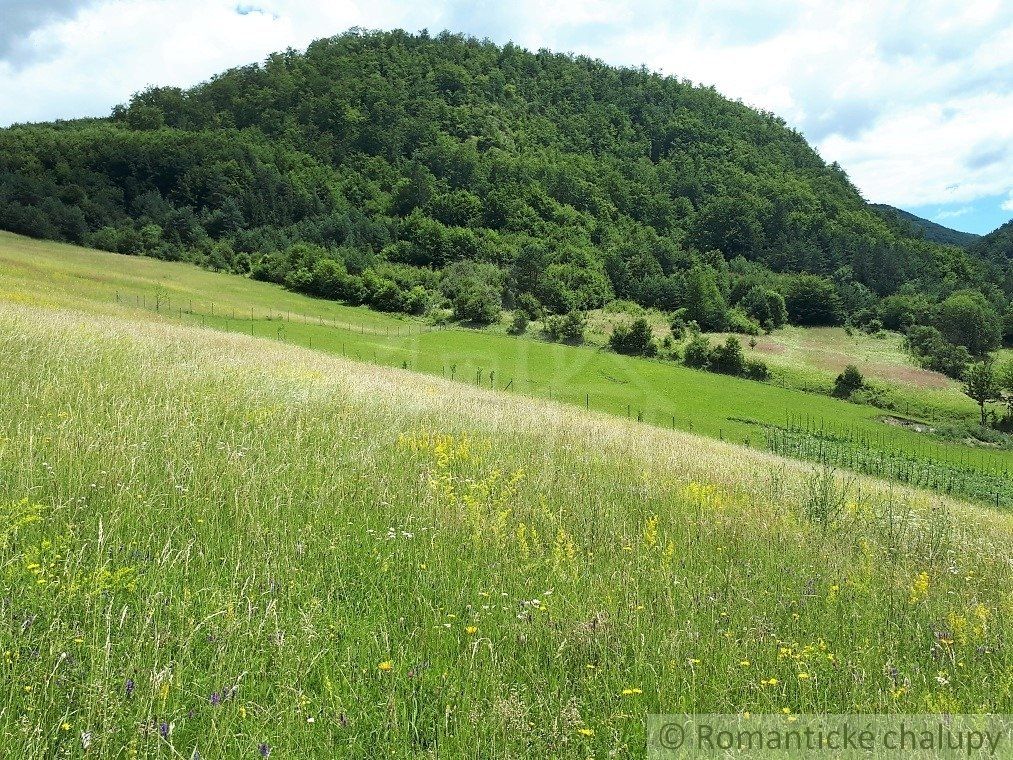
{"x": 659, "y": 393}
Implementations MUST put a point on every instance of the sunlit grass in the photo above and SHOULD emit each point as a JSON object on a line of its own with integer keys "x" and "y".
{"x": 228, "y": 545}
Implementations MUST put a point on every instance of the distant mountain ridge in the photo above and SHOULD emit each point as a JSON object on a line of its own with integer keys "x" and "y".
{"x": 931, "y": 231}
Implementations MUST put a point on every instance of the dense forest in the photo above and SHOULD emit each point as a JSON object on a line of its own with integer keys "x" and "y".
{"x": 445, "y": 174}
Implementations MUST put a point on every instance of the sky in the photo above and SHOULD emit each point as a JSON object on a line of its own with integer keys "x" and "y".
{"x": 913, "y": 99}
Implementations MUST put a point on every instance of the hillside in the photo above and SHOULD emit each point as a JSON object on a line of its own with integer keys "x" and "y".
{"x": 997, "y": 247}
{"x": 222, "y": 545}
{"x": 417, "y": 173}
{"x": 776, "y": 414}
{"x": 926, "y": 229}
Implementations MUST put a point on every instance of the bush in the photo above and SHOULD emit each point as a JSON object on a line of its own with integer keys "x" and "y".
{"x": 849, "y": 381}
{"x": 739, "y": 322}
{"x": 678, "y": 325}
{"x": 519, "y": 323}
{"x": 727, "y": 358}
{"x": 565, "y": 328}
{"x": 634, "y": 339}
{"x": 697, "y": 352}
{"x": 479, "y": 304}
{"x": 764, "y": 306}
{"x": 530, "y": 306}
{"x": 756, "y": 370}
{"x": 932, "y": 351}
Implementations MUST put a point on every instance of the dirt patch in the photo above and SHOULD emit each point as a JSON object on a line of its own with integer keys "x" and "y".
{"x": 918, "y": 427}
{"x": 769, "y": 347}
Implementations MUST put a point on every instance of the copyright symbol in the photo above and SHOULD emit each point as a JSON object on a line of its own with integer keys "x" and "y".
{"x": 671, "y": 736}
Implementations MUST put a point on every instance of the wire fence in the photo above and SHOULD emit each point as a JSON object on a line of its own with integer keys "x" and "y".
{"x": 800, "y": 437}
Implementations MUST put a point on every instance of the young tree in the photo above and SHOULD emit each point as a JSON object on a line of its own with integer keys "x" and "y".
{"x": 703, "y": 300}
{"x": 981, "y": 385}
{"x": 849, "y": 381}
{"x": 1004, "y": 376}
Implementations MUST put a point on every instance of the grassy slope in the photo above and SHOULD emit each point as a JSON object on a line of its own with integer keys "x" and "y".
{"x": 49, "y": 273}
{"x": 187, "y": 513}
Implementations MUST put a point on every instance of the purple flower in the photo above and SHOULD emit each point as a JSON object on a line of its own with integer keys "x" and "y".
{"x": 265, "y": 749}
{"x": 163, "y": 729}
{"x": 216, "y": 699}
{"x": 129, "y": 687}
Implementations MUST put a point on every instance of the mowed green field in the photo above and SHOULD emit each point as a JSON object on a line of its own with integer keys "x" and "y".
{"x": 219, "y": 546}
{"x": 658, "y": 393}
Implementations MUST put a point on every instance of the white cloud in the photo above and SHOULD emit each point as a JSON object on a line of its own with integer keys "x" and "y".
{"x": 1007, "y": 205}
{"x": 914, "y": 99}
{"x": 954, "y": 214}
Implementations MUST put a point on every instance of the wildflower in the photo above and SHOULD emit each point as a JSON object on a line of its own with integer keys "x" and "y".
{"x": 215, "y": 699}
{"x": 920, "y": 587}
{"x": 386, "y": 665}
{"x": 803, "y": 676}
{"x": 770, "y": 682}
{"x": 311, "y": 719}
{"x": 631, "y": 692}
{"x": 585, "y": 731}
{"x": 471, "y": 629}
{"x": 744, "y": 663}
{"x": 66, "y": 726}
{"x": 128, "y": 687}
{"x": 693, "y": 661}
{"x": 163, "y": 729}
{"x": 264, "y": 749}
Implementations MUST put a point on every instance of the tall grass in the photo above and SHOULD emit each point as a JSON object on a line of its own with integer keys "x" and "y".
{"x": 215, "y": 544}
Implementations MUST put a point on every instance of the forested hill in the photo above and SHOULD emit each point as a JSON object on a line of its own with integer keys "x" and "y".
{"x": 409, "y": 170}
{"x": 927, "y": 229}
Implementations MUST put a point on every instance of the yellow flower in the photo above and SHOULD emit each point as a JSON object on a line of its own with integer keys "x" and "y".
{"x": 66, "y": 726}
{"x": 744, "y": 663}
{"x": 386, "y": 665}
{"x": 770, "y": 682}
{"x": 585, "y": 731}
{"x": 471, "y": 629}
{"x": 920, "y": 587}
{"x": 630, "y": 692}
{"x": 693, "y": 661}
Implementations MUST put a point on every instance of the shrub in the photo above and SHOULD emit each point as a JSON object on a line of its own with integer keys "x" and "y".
{"x": 634, "y": 339}
{"x": 739, "y": 322}
{"x": 849, "y": 381}
{"x": 519, "y": 323}
{"x": 565, "y": 328}
{"x": 932, "y": 351}
{"x": 756, "y": 370}
{"x": 530, "y": 306}
{"x": 697, "y": 352}
{"x": 678, "y": 325}
{"x": 727, "y": 358}
{"x": 478, "y": 303}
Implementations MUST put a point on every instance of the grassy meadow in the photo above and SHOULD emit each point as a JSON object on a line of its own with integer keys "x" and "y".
{"x": 658, "y": 393}
{"x": 220, "y": 545}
